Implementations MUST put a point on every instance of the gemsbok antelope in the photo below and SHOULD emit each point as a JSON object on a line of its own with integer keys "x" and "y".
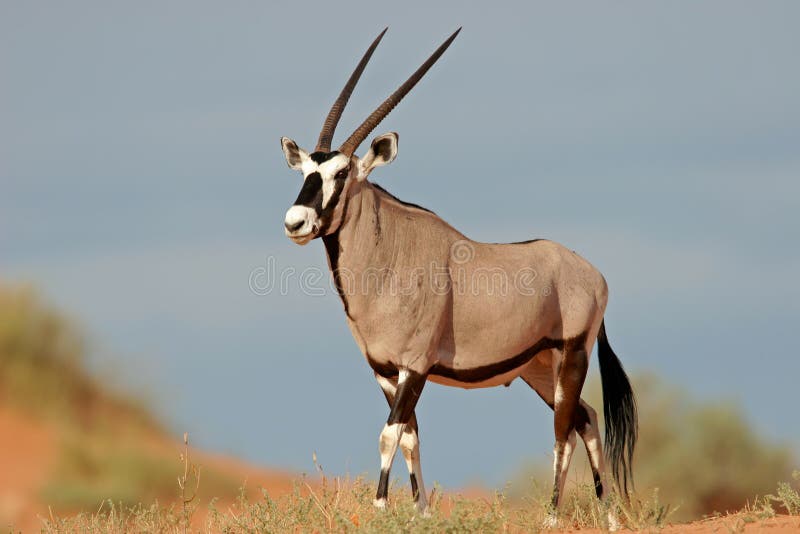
{"x": 424, "y": 302}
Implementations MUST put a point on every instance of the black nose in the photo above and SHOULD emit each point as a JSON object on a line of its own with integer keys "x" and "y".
{"x": 294, "y": 226}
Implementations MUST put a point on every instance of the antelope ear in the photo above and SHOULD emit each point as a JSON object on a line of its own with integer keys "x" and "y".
{"x": 382, "y": 152}
{"x": 295, "y": 156}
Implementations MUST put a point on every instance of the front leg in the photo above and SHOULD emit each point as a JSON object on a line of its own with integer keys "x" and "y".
{"x": 404, "y": 400}
{"x": 409, "y": 446}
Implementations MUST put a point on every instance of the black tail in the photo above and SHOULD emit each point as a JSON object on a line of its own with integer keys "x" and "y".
{"x": 619, "y": 409}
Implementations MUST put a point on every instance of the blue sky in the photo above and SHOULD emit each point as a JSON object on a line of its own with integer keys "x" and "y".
{"x": 142, "y": 182}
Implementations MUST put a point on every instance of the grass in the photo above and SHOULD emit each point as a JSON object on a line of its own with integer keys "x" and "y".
{"x": 344, "y": 505}
{"x": 787, "y": 496}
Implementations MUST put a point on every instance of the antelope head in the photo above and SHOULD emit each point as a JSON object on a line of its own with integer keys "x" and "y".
{"x": 327, "y": 174}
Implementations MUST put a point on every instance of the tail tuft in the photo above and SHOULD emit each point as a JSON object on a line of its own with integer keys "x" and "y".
{"x": 619, "y": 410}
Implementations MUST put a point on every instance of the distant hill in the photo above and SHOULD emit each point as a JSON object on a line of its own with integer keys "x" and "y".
{"x": 70, "y": 440}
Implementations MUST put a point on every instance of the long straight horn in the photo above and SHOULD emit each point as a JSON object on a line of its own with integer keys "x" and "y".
{"x": 326, "y": 135}
{"x": 361, "y": 133}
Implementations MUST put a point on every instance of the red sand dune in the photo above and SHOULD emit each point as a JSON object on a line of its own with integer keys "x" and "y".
{"x": 27, "y": 453}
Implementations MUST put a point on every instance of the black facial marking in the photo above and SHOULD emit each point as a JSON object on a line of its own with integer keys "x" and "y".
{"x": 321, "y": 157}
{"x": 311, "y": 196}
{"x": 409, "y": 204}
{"x": 485, "y": 372}
{"x": 311, "y": 192}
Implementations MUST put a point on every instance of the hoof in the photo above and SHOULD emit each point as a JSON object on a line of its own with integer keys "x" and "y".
{"x": 551, "y": 521}
{"x": 422, "y": 509}
{"x": 613, "y": 522}
{"x": 380, "y": 504}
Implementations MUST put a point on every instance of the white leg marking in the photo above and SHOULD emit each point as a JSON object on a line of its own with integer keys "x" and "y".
{"x": 569, "y": 448}
{"x": 561, "y": 465}
{"x": 594, "y": 446}
{"x": 391, "y": 434}
{"x": 613, "y": 522}
{"x": 559, "y": 395}
{"x": 387, "y": 445}
{"x": 403, "y": 376}
{"x": 409, "y": 445}
{"x": 386, "y": 385}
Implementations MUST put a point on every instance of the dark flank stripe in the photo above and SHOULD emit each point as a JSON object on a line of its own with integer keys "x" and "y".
{"x": 409, "y": 204}
{"x": 520, "y": 242}
{"x": 386, "y": 370}
{"x": 485, "y": 372}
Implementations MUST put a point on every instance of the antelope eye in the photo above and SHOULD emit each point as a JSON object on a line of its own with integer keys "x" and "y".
{"x": 342, "y": 174}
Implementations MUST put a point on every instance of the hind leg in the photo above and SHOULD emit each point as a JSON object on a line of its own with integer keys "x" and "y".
{"x": 558, "y": 379}
{"x": 569, "y": 373}
{"x": 586, "y": 425}
{"x": 540, "y": 375}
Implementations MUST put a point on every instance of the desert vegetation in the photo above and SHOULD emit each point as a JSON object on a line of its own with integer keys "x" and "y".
{"x": 115, "y": 468}
{"x": 346, "y": 506}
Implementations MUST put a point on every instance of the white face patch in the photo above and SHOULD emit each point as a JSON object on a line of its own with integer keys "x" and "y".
{"x": 300, "y": 224}
{"x": 327, "y": 171}
{"x": 304, "y": 222}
